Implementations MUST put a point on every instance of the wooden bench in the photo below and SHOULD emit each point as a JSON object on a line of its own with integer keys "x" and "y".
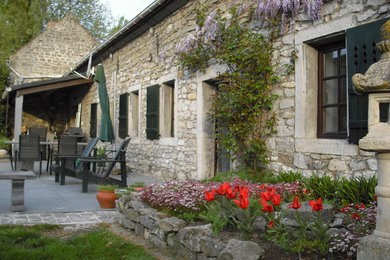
{"x": 17, "y": 192}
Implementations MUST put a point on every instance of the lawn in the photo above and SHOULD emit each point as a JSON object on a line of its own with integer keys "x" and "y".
{"x": 53, "y": 242}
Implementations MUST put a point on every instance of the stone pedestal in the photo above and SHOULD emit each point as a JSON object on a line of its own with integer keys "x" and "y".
{"x": 376, "y": 82}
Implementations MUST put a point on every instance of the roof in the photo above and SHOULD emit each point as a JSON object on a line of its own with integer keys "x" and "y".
{"x": 152, "y": 15}
{"x": 49, "y": 84}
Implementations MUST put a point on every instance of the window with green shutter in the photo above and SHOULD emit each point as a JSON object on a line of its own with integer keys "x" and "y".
{"x": 123, "y": 116}
{"x": 152, "y": 112}
{"x": 361, "y": 53}
{"x": 93, "y": 121}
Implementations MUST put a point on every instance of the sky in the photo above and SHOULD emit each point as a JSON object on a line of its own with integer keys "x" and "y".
{"x": 127, "y": 8}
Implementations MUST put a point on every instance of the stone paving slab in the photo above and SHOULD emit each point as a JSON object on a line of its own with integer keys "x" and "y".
{"x": 60, "y": 218}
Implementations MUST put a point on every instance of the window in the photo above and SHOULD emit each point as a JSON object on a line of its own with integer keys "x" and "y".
{"x": 332, "y": 112}
{"x": 134, "y": 113}
{"x": 167, "y": 108}
{"x": 123, "y": 116}
{"x": 152, "y": 112}
{"x": 93, "y": 121}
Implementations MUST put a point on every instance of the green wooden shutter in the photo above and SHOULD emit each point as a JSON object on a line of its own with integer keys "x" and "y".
{"x": 361, "y": 53}
{"x": 93, "y": 121}
{"x": 123, "y": 116}
{"x": 152, "y": 108}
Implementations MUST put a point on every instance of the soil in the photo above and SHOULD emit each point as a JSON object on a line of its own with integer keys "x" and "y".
{"x": 70, "y": 231}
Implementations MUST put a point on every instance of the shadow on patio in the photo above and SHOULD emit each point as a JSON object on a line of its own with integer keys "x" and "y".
{"x": 45, "y": 195}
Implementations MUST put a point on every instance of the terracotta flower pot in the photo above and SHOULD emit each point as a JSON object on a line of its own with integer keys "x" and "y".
{"x": 106, "y": 199}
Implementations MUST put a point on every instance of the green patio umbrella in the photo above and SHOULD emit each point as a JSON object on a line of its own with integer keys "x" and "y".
{"x": 106, "y": 129}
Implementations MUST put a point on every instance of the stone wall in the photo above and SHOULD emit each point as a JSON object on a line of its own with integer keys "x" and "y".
{"x": 53, "y": 52}
{"x": 186, "y": 155}
{"x": 197, "y": 241}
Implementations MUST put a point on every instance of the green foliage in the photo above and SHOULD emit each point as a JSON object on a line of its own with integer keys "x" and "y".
{"x": 243, "y": 103}
{"x": 288, "y": 177}
{"x": 242, "y": 174}
{"x": 18, "y": 242}
{"x": 189, "y": 216}
{"x": 356, "y": 190}
{"x": 216, "y": 215}
{"x": 107, "y": 187}
{"x": 322, "y": 187}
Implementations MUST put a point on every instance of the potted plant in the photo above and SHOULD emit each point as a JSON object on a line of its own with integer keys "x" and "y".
{"x": 106, "y": 196}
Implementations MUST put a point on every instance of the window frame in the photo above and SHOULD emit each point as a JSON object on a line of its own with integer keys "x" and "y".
{"x": 326, "y": 48}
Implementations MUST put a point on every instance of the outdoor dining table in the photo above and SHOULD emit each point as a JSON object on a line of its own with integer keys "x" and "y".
{"x": 51, "y": 147}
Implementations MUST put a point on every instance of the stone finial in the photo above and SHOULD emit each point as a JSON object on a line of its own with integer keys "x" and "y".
{"x": 377, "y": 77}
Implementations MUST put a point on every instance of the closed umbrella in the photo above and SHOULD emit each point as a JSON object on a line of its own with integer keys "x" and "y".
{"x": 106, "y": 129}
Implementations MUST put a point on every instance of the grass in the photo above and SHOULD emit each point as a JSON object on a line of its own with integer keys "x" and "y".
{"x": 21, "y": 242}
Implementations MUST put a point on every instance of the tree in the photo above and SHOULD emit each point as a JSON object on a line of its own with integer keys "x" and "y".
{"x": 121, "y": 22}
{"x": 22, "y": 20}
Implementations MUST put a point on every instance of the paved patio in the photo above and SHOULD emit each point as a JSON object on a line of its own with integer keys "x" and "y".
{"x": 43, "y": 195}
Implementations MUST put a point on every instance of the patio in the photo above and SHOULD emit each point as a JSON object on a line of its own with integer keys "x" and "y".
{"x": 43, "y": 195}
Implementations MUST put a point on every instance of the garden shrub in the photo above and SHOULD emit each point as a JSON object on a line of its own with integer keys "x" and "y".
{"x": 356, "y": 190}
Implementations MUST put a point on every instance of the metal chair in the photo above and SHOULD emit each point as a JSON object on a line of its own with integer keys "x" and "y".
{"x": 67, "y": 145}
{"x": 30, "y": 151}
{"x": 42, "y": 133}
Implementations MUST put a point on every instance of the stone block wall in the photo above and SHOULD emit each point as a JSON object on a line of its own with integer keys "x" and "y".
{"x": 197, "y": 241}
{"x": 54, "y": 51}
{"x": 138, "y": 65}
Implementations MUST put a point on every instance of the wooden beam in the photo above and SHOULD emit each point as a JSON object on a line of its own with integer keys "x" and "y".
{"x": 53, "y": 86}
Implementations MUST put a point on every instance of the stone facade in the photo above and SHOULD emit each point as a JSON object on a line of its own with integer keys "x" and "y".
{"x": 53, "y": 52}
{"x": 189, "y": 153}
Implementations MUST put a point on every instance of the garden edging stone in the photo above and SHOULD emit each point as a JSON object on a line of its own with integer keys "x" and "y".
{"x": 197, "y": 242}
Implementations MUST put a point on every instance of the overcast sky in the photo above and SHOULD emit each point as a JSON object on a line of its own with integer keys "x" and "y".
{"x": 127, "y": 8}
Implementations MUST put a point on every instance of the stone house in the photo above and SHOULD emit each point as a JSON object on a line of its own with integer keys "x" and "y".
{"x": 36, "y": 75}
{"x": 164, "y": 110}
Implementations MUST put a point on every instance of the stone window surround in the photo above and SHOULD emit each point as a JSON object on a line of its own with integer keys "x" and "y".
{"x": 170, "y": 141}
{"x": 131, "y": 90}
{"x": 306, "y": 98}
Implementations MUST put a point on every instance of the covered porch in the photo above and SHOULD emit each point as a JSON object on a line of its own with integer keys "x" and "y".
{"x": 53, "y": 103}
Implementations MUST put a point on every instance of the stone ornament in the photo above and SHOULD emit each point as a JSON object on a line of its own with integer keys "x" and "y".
{"x": 377, "y": 77}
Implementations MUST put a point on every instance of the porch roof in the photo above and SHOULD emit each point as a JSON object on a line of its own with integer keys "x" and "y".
{"x": 49, "y": 84}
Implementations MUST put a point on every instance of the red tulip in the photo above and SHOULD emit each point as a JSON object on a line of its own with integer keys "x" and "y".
{"x": 230, "y": 194}
{"x": 243, "y": 203}
{"x": 316, "y": 205}
{"x": 265, "y": 195}
{"x": 271, "y": 224}
{"x": 266, "y": 206}
{"x": 276, "y": 199}
{"x": 223, "y": 189}
{"x": 295, "y": 204}
{"x": 355, "y": 216}
{"x": 210, "y": 195}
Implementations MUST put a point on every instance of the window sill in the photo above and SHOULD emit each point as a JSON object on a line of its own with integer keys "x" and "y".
{"x": 172, "y": 141}
{"x": 326, "y": 146}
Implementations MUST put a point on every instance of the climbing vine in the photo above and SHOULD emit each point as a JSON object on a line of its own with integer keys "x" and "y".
{"x": 242, "y": 107}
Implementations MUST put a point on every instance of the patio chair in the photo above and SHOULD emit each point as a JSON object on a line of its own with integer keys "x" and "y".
{"x": 42, "y": 133}
{"x": 60, "y": 168}
{"x": 30, "y": 151}
{"x": 87, "y": 175}
{"x": 67, "y": 145}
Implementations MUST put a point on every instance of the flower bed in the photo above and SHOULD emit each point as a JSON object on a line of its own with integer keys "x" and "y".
{"x": 243, "y": 206}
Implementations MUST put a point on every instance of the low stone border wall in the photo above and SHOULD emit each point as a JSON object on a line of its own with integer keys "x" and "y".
{"x": 195, "y": 242}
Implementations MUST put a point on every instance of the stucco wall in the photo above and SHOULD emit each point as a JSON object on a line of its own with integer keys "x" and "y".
{"x": 186, "y": 155}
